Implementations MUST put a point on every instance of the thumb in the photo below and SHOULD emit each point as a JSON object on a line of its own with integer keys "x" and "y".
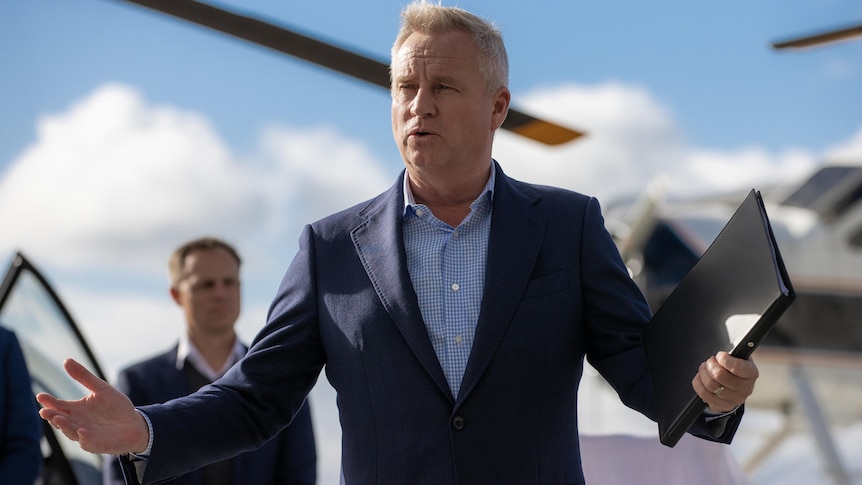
{"x": 82, "y": 375}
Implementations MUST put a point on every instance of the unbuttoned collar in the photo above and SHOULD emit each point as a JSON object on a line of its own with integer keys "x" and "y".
{"x": 187, "y": 350}
{"x": 410, "y": 201}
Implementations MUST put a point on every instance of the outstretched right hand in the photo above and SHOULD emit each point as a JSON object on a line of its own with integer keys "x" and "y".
{"x": 105, "y": 421}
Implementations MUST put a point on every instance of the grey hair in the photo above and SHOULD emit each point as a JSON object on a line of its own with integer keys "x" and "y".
{"x": 428, "y": 18}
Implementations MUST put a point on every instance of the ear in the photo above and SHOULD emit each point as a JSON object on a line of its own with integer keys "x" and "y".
{"x": 501, "y": 107}
{"x": 175, "y": 295}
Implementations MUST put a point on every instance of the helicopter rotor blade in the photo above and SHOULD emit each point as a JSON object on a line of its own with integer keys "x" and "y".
{"x": 820, "y": 38}
{"x": 330, "y": 56}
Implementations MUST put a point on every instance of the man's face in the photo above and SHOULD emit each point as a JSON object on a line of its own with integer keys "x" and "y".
{"x": 209, "y": 291}
{"x": 442, "y": 114}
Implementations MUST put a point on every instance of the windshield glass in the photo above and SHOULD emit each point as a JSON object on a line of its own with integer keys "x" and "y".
{"x": 30, "y": 308}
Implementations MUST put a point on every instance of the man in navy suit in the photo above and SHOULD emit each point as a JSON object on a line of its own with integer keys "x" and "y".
{"x": 20, "y": 428}
{"x": 205, "y": 284}
{"x": 452, "y": 313}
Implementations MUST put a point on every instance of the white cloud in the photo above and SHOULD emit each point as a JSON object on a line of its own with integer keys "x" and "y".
{"x": 313, "y": 173}
{"x": 113, "y": 177}
{"x": 116, "y": 182}
{"x": 749, "y": 167}
{"x": 632, "y": 139}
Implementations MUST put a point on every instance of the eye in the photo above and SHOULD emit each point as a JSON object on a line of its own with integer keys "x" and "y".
{"x": 203, "y": 285}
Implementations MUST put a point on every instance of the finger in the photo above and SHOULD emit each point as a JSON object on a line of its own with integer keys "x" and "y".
{"x": 48, "y": 414}
{"x": 737, "y": 375}
{"x": 48, "y": 400}
{"x": 719, "y": 388}
{"x": 721, "y": 375}
{"x": 701, "y": 384}
{"x": 708, "y": 377}
{"x": 717, "y": 403}
{"x": 717, "y": 396}
{"x": 743, "y": 368}
{"x": 61, "y": 423}
{"x": 55, "y": 415}
{"x": 51, "y": 406}
{"x": 701, "y": 390}
{"x": 83, "y": 376}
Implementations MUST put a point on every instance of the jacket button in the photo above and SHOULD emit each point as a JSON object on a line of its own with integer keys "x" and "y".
{"x": 458, "y": 422}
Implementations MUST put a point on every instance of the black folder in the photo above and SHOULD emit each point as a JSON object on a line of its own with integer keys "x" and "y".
{"x": 729, "y": 301}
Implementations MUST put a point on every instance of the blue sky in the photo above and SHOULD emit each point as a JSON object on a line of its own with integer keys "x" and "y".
{"x": 709, "y": 64}
{"x": 123, "y": 132}
{"x": 684, "y": 88}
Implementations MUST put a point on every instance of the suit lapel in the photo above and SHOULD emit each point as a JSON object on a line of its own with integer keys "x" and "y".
{"x": 380, "y": 246}
{"x": 516, "y": 236}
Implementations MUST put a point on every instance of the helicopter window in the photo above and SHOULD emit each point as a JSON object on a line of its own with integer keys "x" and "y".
{"x": 31, "y": 312}
{"x": 667, "y": 259}
{"x": 47, "y": 334}
{"x": 849, "y": 200}
{"x": 855, "y": 239}
{"x": 821, "y": 183}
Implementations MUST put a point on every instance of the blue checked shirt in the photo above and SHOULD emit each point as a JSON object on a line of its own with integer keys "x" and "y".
{"x": 447, "y": 268}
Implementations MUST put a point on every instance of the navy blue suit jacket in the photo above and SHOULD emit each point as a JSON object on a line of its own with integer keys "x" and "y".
{"x": 288, "y": 459}
{"x": 20, "y": 425}
{"x": 556, "y": 291}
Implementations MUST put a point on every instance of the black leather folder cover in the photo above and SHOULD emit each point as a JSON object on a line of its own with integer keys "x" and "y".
{"x": 739, "y": 286}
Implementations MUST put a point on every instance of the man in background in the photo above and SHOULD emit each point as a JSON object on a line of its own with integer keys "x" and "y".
{"x": 205, "y": 284}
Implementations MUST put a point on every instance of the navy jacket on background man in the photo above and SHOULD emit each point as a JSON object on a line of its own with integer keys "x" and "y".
{"x": 288, "y": 459}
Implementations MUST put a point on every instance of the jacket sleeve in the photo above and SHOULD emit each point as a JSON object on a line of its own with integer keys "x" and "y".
{"x": 119, "y": 470}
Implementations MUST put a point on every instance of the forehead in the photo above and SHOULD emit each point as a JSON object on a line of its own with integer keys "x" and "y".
{"x": 449, "y": 51}
{"x": 209, "y": 262}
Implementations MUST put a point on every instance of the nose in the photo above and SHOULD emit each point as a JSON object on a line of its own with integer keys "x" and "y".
{"x": 423, "y": 104}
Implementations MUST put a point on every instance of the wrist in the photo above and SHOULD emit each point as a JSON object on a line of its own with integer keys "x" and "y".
{"x": 143, "y": 446}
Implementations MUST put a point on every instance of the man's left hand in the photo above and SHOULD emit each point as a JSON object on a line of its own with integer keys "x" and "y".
{"x": 724, "y": 382}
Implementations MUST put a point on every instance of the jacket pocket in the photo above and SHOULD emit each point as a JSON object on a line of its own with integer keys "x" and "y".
{"x": 547, "y": 285}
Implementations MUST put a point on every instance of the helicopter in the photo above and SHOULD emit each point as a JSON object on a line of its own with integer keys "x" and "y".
{"x": 811, "y": 361}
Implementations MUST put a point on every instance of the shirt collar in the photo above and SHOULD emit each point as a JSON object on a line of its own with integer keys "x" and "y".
{"x": 186, "y": 351}
{"x": 409, "y": 200}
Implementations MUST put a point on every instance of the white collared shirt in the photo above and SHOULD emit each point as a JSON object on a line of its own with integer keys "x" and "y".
{"x": 187, "y": 350}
